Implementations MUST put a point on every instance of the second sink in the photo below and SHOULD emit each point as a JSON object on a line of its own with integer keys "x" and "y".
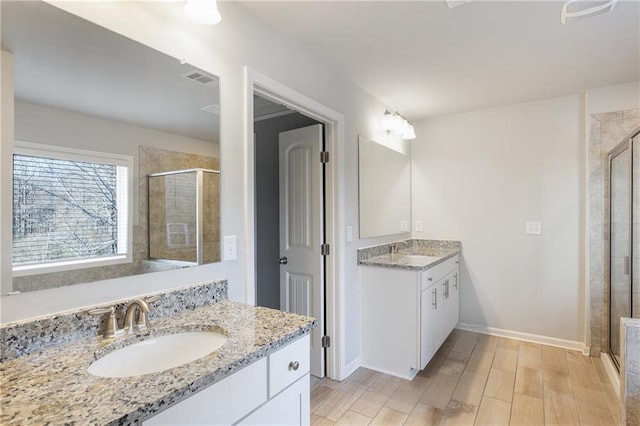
{"x": 157, "y": 353}
{"x": 420, "y": 258}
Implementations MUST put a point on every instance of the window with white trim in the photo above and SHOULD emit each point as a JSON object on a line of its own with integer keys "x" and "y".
{"x": 71, "y": 209}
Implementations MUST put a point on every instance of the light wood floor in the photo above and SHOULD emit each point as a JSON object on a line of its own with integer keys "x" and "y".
{"x": 476, "y": 379}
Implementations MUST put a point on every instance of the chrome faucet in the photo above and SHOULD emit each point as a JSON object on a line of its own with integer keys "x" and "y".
{"x": 137, "y": 310}
{"x": 394, "y": 246}
{"x": 140, "y": 308}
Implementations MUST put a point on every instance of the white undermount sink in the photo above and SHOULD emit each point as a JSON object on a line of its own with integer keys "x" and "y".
{"x": 420, "y": 258}
{"x": 157, "y": 354}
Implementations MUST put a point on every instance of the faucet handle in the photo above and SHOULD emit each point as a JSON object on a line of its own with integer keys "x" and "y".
{"x": 111, "y": 329}
{"x": 100, "y": 311}
{"x": 153, "y": 298}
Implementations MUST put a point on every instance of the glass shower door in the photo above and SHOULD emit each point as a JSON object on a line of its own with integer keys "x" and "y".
{"x": 620, "y": 243}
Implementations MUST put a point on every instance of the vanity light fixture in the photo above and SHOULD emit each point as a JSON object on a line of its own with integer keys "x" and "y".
{"x": 574, "y": 10}
{"x": 203, "y": 11}
{"x": 395, "y": 123}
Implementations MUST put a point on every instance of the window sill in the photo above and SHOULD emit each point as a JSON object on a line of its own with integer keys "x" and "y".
{"x": 69, "y": 265}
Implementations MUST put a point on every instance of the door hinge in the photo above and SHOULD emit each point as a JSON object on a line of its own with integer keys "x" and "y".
{"x": 324, "y": 157}
{"x": 326, "y": 341}
{"x": 324, "y": 249}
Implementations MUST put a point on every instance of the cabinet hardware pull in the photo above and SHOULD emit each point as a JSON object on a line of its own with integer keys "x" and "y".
{"x": 627, "y": 265}
{"x": 294, "y": 365}
{"x": 435, "y": 299}
{"x": 430, "y": 279}
{"x": 283, "y": 260}
{"x": 455, "y": 283}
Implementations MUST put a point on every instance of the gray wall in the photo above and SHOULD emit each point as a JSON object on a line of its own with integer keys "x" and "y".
{"x": 267, "y": 205}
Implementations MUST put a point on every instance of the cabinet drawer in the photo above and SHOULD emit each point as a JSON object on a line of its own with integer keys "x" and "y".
{"x": 435, "y": 274}
{"x": 282, "y": 364}
{"x": 291, "y": 407}
{"x": 220, "y": 403}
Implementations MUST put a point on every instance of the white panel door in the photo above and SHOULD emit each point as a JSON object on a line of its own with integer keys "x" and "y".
{"x": 301, "y": 231}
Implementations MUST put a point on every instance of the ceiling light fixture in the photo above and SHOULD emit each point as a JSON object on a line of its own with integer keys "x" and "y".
{"x": 574, "y": 10}
{"x": 455, "y": 3}
{"x": 203, "y": 11}
{"x": 395, "y": 123}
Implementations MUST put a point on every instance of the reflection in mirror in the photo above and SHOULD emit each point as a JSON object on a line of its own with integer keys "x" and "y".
{"x": 182, "y": 220}
{"x": 95, "y": 114}
{"x": 384, "y": 189}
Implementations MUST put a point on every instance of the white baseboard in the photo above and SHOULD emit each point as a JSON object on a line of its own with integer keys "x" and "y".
{"x": 612, "y": 372}
{"x": 350, "y": 368}
{"x": 526, "y": 337}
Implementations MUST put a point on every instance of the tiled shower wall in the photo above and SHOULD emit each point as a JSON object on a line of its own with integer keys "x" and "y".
{"x": 630, "y": 371}
{"x": 607, "y": 131}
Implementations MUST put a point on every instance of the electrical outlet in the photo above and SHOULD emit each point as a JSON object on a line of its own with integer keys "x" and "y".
{"x": 404, "y": 226}
{"x": 230, "y": 247}
{"x": 533, "y": 228}
{"x": 418, "y": 226}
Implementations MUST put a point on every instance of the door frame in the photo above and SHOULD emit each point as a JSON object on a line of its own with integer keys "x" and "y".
{"x": 257, "y": 83}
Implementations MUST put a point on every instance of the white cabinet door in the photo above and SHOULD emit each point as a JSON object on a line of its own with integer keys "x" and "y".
{"x": 290, "y": 407}
{"x": 427, "y": 326}
{"x": 441, "y": 315}
{"x": 454, "y": 296}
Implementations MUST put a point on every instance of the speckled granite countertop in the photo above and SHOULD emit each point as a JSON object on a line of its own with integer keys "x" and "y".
{"x": 413, "y": 254}
{"x": 53, "y": 386}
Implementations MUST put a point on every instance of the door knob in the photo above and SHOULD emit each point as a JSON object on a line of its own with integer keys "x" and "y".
{"x": 283, "y": 260}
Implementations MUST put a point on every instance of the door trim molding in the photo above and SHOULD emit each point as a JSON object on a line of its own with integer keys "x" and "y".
{"x": 258, "y": 83}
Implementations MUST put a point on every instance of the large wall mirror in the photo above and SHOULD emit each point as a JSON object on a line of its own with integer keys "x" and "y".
{"x": 384, "y": 188}
{"x": 116, "y": 153}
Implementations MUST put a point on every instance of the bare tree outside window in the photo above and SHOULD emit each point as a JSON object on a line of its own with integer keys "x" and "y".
{"x": 63, "y": 210}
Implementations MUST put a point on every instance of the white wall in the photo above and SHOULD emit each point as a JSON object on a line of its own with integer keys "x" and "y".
{"x": 6, "y": 112}
{"x": 239, "y": 40}
{"x": 613, "y": 98}
{"x": 477, "y": 177}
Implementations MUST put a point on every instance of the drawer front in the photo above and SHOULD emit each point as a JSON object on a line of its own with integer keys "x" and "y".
{"x": 220, "y": 404}
{"x": 288, "y": 364}
{"x": 435, "y": 274}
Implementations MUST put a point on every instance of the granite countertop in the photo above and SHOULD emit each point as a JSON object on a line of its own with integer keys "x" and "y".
{"x": 53, "y": 386}
{"x": 417, "y": 255}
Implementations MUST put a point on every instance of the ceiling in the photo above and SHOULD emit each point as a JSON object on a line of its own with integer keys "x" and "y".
{"x": 66, "y": 62}
{"x": 424, "y": 59}
{"x": 263, "y": 109}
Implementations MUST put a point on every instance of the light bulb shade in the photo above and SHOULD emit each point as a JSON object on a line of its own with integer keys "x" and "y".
{"x": 203, "y": 11}
{"x": 409, "y": 132}
{"x": 387, "y": 122}
{"x": 396, "y": 123}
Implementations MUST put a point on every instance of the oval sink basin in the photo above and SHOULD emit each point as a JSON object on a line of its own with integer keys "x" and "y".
{"x": 157, "y": 354}
{"x": 420, "y": 258}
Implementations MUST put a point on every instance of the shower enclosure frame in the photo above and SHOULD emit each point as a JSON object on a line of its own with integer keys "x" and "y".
{"x": 199, "y": 206}
{"x": 626, "y": 144}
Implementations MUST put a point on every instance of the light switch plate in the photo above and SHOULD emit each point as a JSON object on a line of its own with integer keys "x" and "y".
{"x": 533, "y": 228}
{"x": 349, "y": 234}
{"x": 230, "y": 247}
{"x": 418, "y": 226}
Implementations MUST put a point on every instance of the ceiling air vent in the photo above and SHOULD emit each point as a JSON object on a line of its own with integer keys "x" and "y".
{"x": 201, "y": 78}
